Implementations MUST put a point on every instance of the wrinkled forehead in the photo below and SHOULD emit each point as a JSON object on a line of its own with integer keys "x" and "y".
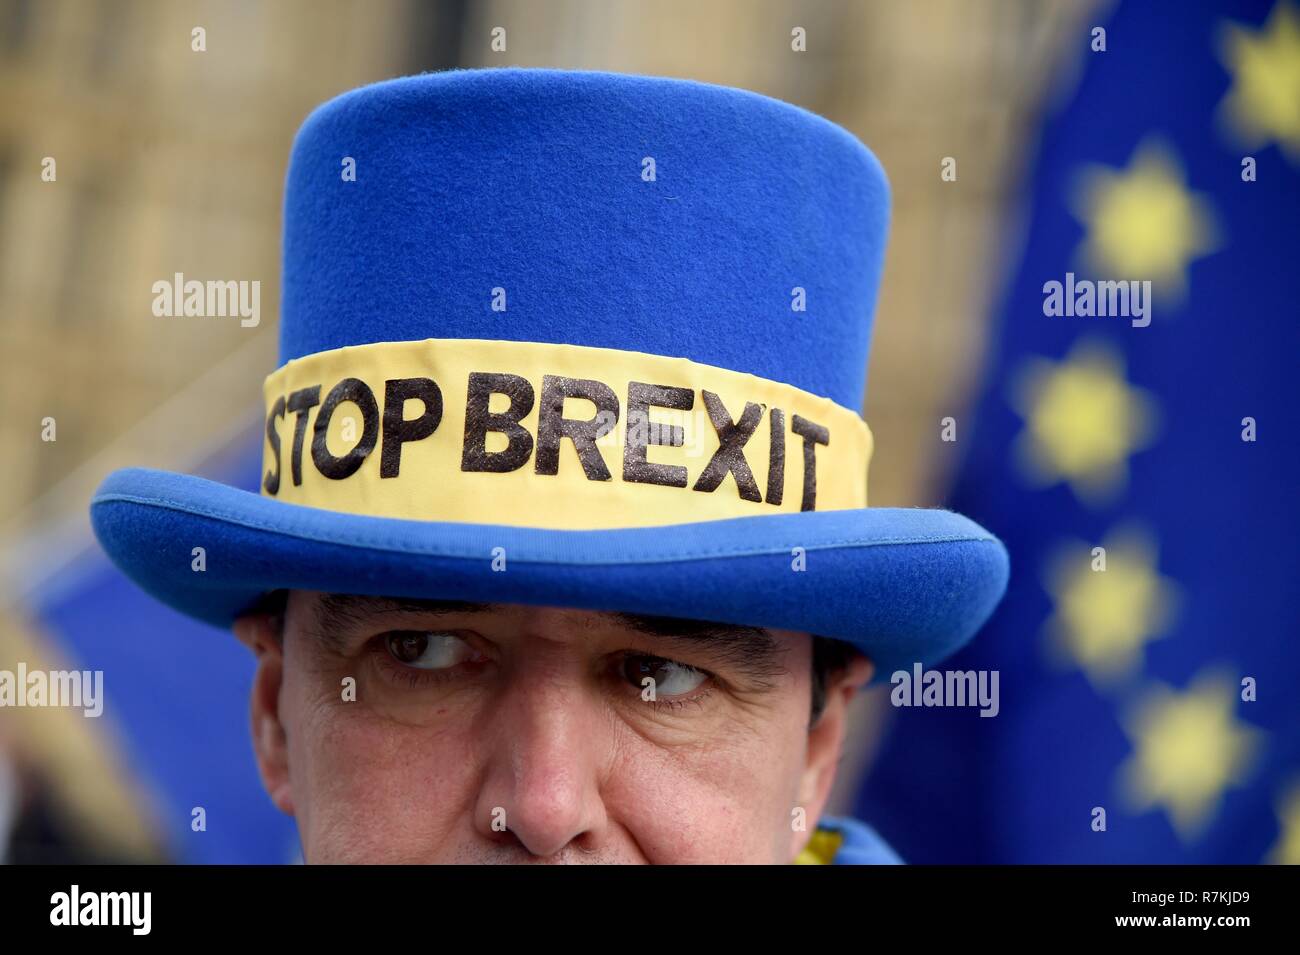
{"x": 328, "y": 614}
{"x": 339, "y": 609}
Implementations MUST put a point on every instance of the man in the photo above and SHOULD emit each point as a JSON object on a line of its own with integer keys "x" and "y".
{"x": 539, "y": 720}
{"x": 562, "y": 550}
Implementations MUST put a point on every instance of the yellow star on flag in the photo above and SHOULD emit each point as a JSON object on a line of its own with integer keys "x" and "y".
{"x": 1082, "y": 421}
{"x": 1141, "y": 222}
{"x": 1108, "y": 605}
{"x": 1263, "y": 105}
{"x": 1189, "y": 747}
{"x": 1287, "y": 849}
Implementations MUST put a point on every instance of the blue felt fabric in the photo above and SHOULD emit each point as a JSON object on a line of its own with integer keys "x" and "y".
{"x": 531, "y": 181}
{"x": 904, "y": 584}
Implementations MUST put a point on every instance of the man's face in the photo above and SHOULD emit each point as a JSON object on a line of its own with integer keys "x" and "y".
{"x": 435, "y": 732}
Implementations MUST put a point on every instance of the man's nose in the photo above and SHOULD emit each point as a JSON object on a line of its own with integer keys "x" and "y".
{"x": 544, "y": 771}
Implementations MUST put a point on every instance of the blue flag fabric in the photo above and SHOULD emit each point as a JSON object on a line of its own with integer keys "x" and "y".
{"x": 1142, "y": 470}
{"x": 176, "y": 694}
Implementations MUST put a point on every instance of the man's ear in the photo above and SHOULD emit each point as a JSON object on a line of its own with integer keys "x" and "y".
{"x": 825, "y": 741}
{"x": 258, "y": 632}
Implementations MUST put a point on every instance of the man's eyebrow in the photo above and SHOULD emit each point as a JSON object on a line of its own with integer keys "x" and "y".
{"x": 336, "y": 612}
{"x": 753, "y": 651}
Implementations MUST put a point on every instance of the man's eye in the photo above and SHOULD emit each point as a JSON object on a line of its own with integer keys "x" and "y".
{"x": 428, "y": 650}
{"x": 670, "y": 678}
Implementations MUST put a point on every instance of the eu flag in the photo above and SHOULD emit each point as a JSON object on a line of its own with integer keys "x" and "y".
{"x": 176, "y": 713}
{"x": 1139, "y": 453}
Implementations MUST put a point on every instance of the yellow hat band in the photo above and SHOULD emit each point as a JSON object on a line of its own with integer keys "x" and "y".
{"x": 552, "y": 436}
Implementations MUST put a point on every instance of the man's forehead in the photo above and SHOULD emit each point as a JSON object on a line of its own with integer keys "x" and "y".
{"x": 334, "y": 609}
{"x": 756, "y": 652}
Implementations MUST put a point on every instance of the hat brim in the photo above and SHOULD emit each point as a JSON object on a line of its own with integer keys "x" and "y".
{"x": 904, "y": 585}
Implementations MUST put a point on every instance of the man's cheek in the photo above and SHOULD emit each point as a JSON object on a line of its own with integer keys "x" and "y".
{"x": 362, "y": 690}
{"x": 379, "y": 791}
{"x": 690, "y": 805}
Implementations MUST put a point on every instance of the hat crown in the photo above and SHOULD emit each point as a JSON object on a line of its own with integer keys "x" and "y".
{"x": 638, "y": 213}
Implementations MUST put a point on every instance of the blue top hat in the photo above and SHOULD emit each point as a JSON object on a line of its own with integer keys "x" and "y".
{"x": 609, "y": 332}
